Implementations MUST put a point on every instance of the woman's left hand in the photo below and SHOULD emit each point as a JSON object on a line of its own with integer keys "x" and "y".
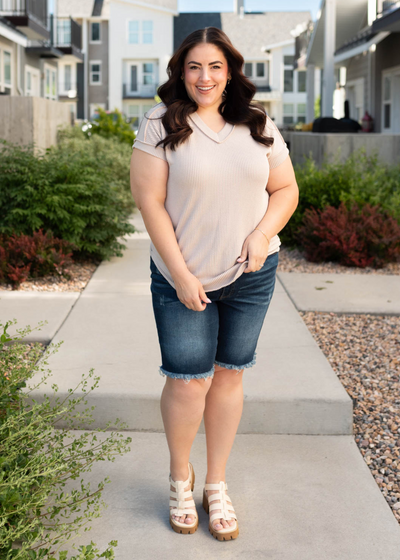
{"x": 255, "y": 248}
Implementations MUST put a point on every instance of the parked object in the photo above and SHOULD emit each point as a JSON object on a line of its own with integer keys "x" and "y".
{"x": 367, "y": 123}
{"x": 330, "y": 124}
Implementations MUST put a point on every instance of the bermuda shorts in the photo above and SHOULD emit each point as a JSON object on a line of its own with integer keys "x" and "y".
{"x": 224, "y": 334}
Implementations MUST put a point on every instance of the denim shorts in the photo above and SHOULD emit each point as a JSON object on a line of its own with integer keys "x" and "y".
{"x": 224, "y": 334}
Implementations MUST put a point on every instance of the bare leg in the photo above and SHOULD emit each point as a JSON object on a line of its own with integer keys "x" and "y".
{"x": 224, "y": 406}
{"x": 182, "y": 407}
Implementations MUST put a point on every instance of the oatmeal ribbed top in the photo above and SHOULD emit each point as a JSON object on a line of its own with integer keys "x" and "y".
{"x": 216, "y": 193}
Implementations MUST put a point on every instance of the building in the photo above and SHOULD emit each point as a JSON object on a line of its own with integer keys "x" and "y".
{"x": 267, "y": 42}
{"x": 357, "y": 46}
{"x": 32, "y": 43}
{"x": 140, "y": 46}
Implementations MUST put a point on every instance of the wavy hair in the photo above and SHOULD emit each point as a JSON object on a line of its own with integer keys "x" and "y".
{"x": 236, "y": 106}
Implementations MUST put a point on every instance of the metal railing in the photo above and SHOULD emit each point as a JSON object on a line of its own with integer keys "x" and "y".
{"x": 139, "y": 90}
{"x": 37, "y": 9}
{"x": 65, "y": 32}
{"x": 388, "y": 5}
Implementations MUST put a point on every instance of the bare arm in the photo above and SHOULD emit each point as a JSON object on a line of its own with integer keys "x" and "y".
{"x": 284, "y": 197}
{"x": 149, "y": 176}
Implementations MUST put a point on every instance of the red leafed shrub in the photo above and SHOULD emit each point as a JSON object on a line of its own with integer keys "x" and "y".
{"x": 36, "y": 255}
{"x": 366, "y": 236}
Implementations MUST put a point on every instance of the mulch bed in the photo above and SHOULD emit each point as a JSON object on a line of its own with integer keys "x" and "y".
{"x": 293, "y": 260}
{"x": 364, "y": 351}
{"x": 78, "y": 275}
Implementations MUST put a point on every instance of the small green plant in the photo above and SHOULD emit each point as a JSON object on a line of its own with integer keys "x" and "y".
{"x": 41, "y": 507}
{"x": 110, "y": 125}
{"x": 78, "y": 190}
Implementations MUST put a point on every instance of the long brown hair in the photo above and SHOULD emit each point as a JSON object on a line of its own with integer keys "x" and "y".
{"x": 236, "y": 106}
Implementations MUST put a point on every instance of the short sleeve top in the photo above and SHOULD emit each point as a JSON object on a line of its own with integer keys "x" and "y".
{"x": 216, "y": 192}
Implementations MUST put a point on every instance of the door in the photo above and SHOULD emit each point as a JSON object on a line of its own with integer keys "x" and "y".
{"x": 396, "y": 104}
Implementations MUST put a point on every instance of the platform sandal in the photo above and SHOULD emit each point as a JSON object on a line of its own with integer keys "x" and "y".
{"x": 179, "y": 504}
{"x": 226, "y": 511}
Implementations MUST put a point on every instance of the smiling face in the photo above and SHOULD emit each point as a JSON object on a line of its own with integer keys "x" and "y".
{"x": 206, "y": 72}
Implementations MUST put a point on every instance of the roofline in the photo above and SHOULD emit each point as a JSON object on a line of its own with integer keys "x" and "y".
{"x": 148, "y": 5}
{"x": 13, "y": 35}
{"x": 360, "y": 48}
{"x": 277, "y": 45}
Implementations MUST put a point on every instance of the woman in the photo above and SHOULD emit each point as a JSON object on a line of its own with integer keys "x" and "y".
{"x": 212, "y": 178}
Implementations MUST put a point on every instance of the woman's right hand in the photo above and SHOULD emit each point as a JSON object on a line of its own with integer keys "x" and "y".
{"x": 190, "y": 292}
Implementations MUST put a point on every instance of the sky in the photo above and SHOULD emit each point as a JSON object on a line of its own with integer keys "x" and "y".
{"x": 250, "y": 6}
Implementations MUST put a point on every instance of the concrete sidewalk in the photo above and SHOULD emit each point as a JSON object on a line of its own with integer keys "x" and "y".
{"x": 343, "y": 293}
{"x": 296, "y": 497}
{"x": 291, "y": 390}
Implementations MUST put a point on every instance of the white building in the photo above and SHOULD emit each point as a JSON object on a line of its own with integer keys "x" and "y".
{"x": 140, "y": 46}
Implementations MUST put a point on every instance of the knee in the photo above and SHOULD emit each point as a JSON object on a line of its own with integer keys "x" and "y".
{"x": 195, "y": 390}
{"x": 226, "y": 378}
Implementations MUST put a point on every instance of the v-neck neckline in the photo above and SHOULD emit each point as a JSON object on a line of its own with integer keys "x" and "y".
{"x": 218, "y": 137}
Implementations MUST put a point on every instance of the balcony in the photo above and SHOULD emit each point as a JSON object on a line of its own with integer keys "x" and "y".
{"x": 29, "y": 16}
{"x": 388, "y": 19}
{"x": 142, "y": 90}
{"x": 65, "y": 38}
{"x": 265, "y": 93}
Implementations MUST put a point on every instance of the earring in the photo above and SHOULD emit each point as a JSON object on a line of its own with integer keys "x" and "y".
{"x": 182, "y": 78}
{"x": 229, "y": 79}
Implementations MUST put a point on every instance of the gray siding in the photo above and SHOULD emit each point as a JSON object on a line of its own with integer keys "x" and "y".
{"x": 358, "y": 68}
{"x": 99, "y": 94}
{"x": 387, "y": 55}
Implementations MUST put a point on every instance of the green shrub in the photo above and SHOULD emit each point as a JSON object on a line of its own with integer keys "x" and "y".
{"x": 361, "y": 179}
{"x": 110, "y": 125}
{"x": 38, "y": 515}
{"x": 79, "y": 190}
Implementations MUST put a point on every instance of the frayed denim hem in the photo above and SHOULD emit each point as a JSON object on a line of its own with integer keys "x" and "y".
{"x": 239, "y": 368}
{"x": 186, "y": 378}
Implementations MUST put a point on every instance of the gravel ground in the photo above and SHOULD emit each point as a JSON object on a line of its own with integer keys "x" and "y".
{"x": 364, "y": 351}
{"x": 78, "y": 277}
{"x": 293, "y": 260}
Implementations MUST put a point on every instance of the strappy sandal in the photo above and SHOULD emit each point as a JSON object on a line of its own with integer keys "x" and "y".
{"x": 179, "y": 504}
{"x": 226, "y": 511}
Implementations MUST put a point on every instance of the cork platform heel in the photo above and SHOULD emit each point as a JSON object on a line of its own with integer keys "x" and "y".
{"x": 226, "y": 511}
{"x": 179, "y": 504}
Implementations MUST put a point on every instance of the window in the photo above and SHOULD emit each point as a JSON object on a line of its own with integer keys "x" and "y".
{"x": 288, "y": 116}
{"x": 288, "y": 73}
{"x": 147, "y": 73}
{"x": 288, "y": 60}
{"x": 260, "y": 70}
{"x": 95, "y": 32}
{"x": 387, "y": 101}
{"x": 133, "y": 32}
{"x": 67, "y": 77}
{"x": 64, "y": 32}
{"x": 147, "y": 29}
{"x": 93, "y": 109}
{"x": 95, "y": 73}
{"x": 32, "y": 81}
{"x": 288, "y": 81}
{"x": 248, "y": 69}
{"x": 301, "y": 81}
{"x": 137, "y": 112}
{"x": 301, "y": 112}
{"x": 50, "y": 84}
{"x": 7, "y": 68}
